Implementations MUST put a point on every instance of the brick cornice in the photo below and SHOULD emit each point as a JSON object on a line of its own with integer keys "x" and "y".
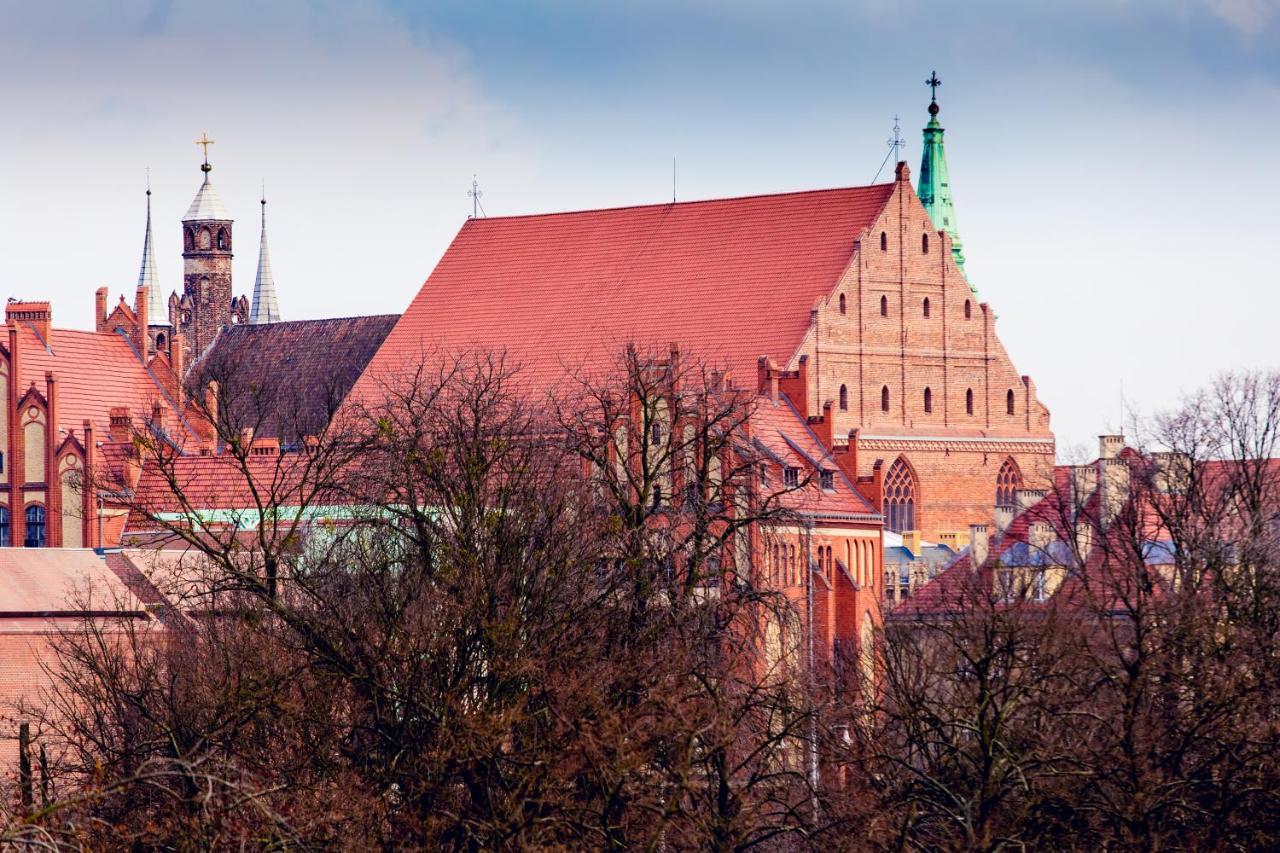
{"x": 940, "y": 443}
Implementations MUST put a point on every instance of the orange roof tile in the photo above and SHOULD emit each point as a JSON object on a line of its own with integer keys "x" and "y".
{"x": 728, "y": 280}
{"x": 93, "y": 372}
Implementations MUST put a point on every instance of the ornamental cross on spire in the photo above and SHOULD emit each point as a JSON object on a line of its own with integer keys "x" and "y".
{"x": 205, "y": 142}
{"x": 933, "y": 83}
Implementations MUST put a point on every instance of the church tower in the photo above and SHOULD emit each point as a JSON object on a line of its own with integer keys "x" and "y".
{"x": 934, "y": 187}
{"x": 206, "y": 304}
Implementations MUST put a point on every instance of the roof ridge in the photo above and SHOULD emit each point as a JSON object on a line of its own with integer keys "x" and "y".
{"x": 673, "y": 204}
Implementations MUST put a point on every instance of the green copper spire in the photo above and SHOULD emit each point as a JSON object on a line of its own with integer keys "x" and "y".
{"x": 934, "y": 188}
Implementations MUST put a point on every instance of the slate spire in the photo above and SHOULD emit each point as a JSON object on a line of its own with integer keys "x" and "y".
{"x": 157, "y": 305}
{"x": 934, "y": 187}
{"x": 266, "y": 308}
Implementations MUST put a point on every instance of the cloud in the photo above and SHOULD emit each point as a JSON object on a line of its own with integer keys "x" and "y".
{"x": 1247, "y": 17}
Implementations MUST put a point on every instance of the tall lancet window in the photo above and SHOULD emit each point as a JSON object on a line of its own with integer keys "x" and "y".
{"x": 900, "y": 497}
{"x": 1008, "y": 481}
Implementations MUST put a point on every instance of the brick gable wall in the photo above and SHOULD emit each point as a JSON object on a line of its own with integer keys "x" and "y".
{"x": 908, "y": 352}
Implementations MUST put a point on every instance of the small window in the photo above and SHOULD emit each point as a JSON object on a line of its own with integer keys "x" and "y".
{"x": 188, "y": 240}
{"x": 4, "y": 526}
{"x": 884, "y": 398}
{"x": 222, "y": 239}
{"x": 884, "y": 306}
{"x": 764, "y": 475}
{"x": 655, "y": 435}
{"x": 160, "y": 342}
{"x": 884, "y": 242}
{"x": 968, "y": 309}
{"x": 791, "y": 478}
{"x": 827, "y": 479}
{"x": 206, "y": 239}
{"x": 35, "y": 527}
{"x": 842, "y": 304}
{"x": 1008, "y": 402}
{"x": 928, "y": 401}
{"x": 844, "y": 398}
{"x": 926, "y": 306}
{"x": 924, "y": 244}
{"x": 968, "y": 402}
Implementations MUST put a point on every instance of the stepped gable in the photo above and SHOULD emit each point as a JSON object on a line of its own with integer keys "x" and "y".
{"x": 287, "y": 379}
{"x": 565, "y": 290}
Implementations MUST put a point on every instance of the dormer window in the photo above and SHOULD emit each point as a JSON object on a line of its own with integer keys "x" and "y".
{"x": 791, "y": 478}
{"x": 827, "y": 479}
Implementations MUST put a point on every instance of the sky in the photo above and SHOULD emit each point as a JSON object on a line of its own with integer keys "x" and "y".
{"x": 1114, "y": 162}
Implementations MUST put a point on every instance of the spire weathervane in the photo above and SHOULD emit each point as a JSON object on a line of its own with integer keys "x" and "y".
{"x": 204, "y": 141}
{"x": 933, "y": 83}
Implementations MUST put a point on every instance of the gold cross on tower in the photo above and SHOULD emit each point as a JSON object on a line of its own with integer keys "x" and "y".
{"x": 205, "y": 141}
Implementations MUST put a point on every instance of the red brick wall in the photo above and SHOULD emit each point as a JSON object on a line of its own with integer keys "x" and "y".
{"x": 907, "y": 352}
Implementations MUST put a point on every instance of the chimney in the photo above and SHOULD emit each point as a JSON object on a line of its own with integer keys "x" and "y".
{"x": 911, "y": 541}
{"x": 822, "y": 426}
{"x": 847, "y": 458}
{"x": 979, "y": 544}
{"x": 953, "y": 539}
{"x": 157, "y": 416}
{"x": 121, "y": 424}
{"x": 1109, "y": 446}
{"x": 1084, "y": 538}
{"x": 246, "y": 439}
{"x": 38, "y": 315}
{"x": 795, "y": 384}
{"x": 100, "y": 309}
{"x": 902, "y": 172}
{"x": 1114, "y": 486}
{"x": 178, "y": 354}
{"x": 1040, "y": 535}
{"x": 1004, "y": 517}
{"x": 1172, "y": 471}
{"x": 1027, "y": 498}
{"x": 1084, "y": 482}
{"x": 140, "y": 337}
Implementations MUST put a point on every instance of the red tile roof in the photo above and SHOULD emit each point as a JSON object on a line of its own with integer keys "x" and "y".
{"x": 728, "y": 280}
{"x": 93, "y": 372}
{"x": 60, "y": 581}
{"x": 788, "y": 440}
{"x": 218, "y": 482}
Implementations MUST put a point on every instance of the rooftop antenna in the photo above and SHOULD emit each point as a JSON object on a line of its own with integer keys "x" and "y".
{"x": 896, "y": 143}
{"x": 475, "y": 195}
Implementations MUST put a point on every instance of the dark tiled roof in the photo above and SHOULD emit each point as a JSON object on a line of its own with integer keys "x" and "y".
{"x": 287, "y": 379}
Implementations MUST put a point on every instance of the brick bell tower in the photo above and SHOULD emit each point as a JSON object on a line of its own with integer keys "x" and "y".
{"x": 206, "y": 304}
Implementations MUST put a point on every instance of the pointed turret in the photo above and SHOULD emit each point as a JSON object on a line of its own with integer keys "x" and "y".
{"x": 147, "y": 276}
{"x": 934, "y": 188}
{"x": 266, "y": 308}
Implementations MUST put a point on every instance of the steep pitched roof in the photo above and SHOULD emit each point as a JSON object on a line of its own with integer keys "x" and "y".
{"x": 207, "y": 205}
{"x": 94, "y": 372}
{"x": 291, "y": 376}
{"x": 727, "y": 279}
{"x": 785, "y": 437}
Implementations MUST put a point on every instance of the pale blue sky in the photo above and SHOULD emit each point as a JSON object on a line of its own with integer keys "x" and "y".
{"x": 1113, "y": 160}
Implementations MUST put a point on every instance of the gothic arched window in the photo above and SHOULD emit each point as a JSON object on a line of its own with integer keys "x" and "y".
{"x": 968, "y": 401}
{"x": 188, "y": 239}
{"x": 35, "y": 527}
{"x": 900, "y": 497}
{"x": 1008, "y": 402}
{"x": 968, "y": 309}
{"x": 844, "y": 398}
{"x": 160, "y": 342}
{"x": 884, "y": 399}
{"x": 884, "y": 242}
{"x": 1008, "y": 481}
{"x": 884, "y": 306}
{"x": 926, "y": 306}
{"x": 924, "y": 244}
{"x": 222, "y": 238}
{"x": 928, "y": 401}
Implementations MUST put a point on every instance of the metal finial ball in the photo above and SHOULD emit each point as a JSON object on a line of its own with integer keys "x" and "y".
{"x": 933, "y": 108}
{"x": 205, "y": 167}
